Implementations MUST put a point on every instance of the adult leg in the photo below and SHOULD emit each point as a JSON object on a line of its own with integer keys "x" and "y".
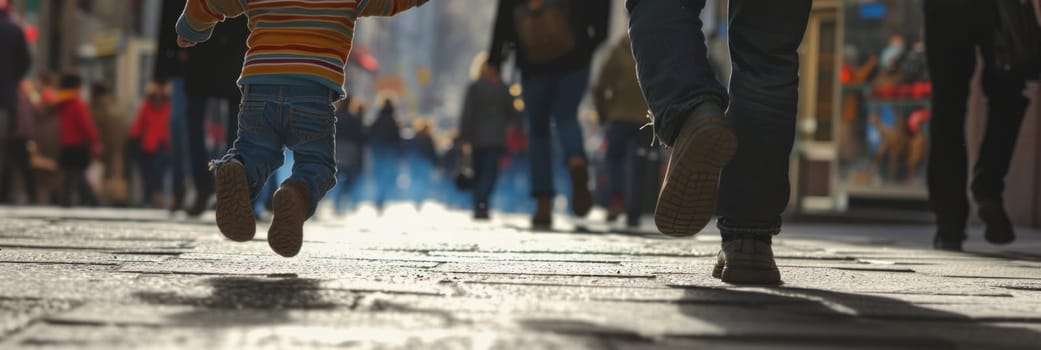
{"x": 687, "y": 104}
{"x": 538, "y": 94}
{"x": 178, "y": 141}
{"x": 198, "y": 157}
{"x": 1006, "y": 105}
{"x": 952, "y": 61}
{"x": 754, "y": 188}
{"x": 672, "y": 61}
{"x": 618, "y": 140}
{"x": 570, "y": 90}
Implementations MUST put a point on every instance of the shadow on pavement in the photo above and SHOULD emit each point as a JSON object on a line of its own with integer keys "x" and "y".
{"x": 810, "y": 318}
{"x": 270, "y": 299}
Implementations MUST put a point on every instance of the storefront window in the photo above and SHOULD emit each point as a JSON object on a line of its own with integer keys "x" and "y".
{"x": 883, "y": 127}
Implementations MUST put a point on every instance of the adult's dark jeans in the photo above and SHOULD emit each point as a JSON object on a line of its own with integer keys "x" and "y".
{"x": 625, "y": 165}
{"x": 178, "y": 137}
{"x": 486, "y": 172}
{"x": 553, "y": 100}
{"x": 676, "y": 77}
{"x": 954, "y": 29}
{"x": 198, "y": 157}
{"x": 15, "y": 159}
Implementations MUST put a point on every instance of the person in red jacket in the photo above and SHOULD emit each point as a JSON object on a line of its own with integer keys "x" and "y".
{"x": 79, "y": 140}
{"x": 151, "y": 133}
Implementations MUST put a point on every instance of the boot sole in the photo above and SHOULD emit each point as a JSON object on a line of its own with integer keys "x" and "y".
{"x": 234, "y": 210}
{"x": 286, "y": 234}
{"x": 687, "y": 200}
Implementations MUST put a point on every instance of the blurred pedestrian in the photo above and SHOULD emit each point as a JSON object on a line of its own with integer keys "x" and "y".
{"x": 350, "y": 153}
{"x": 114, "y": 186}
{"x": 554, "y": 42}
{"x": 16, "y": 160}
{"x": 954, "y": 30}
{"x": 751, "y": 144}
{"x": 384, "y": 141}
{"x": 80, "y": 142}
{"x": 170, "y": 66}
{"x": 151, "y": 133}
{"x": 618, "y": 99}
{"x": 294, "y": 71}
{"x": 14, "y": 65}
{"x": 488, "y": 111}
{"x": 422, "y": 158}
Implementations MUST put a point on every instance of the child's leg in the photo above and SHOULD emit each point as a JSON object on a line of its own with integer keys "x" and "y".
{"x": 310, "y": 137}
{"x": 244, "y": 169}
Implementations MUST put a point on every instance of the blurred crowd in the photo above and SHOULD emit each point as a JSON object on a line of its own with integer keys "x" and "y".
{"x": 70, "y": 145}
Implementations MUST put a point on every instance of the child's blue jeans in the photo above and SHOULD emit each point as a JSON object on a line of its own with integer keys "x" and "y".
{"x": 300, "y": 118}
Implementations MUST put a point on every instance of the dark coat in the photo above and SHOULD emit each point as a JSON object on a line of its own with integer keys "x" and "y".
{"x": 589, "y": 20}
{"x": 213, "y": 67}
{"x": 14, "y": 63}
{"x": 385, "y": 131}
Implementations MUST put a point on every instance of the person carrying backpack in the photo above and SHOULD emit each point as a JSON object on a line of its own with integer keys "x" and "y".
{"x": 553, "y": 42}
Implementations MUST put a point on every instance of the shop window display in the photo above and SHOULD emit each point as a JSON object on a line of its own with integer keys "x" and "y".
{"x": 883, "y": 127}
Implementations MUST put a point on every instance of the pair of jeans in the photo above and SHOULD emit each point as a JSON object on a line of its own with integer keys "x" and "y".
{"x": 626, "y": 166}
{"x": 296, "y": 117}
{"x": 178, "y": 137}
{"x": 486, "y": 172}
{"x": 15, "y": 159}
{"x": 954, "y": 29}
{"x": 676, "y": 77}
{"x": 153, "y": 170}
{"x": 385, "y": 167}
{"x": 553, "y": 100}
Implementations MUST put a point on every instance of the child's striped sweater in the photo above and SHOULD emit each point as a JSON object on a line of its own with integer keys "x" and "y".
{"x": 292, "y": 42}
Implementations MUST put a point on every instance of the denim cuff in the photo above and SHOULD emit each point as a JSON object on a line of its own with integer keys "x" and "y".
{"x": 667, "y": 127}
{"x": 748, "y": 227}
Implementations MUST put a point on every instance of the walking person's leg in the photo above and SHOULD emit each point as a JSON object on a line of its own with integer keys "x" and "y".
{"x": 687, "y": 104}
{"x": 1006, "y": 105}
{"x": 570, "y": 89}
{"x": 764, "y": 87}
{"x": 538, "y": 95}
{"x": 178, "y": 140}
{"x": 198, "y": 157}
{"x": 618, "y": 141}
{"x": 951, "y": 59}
{"x": 638, "y": 152}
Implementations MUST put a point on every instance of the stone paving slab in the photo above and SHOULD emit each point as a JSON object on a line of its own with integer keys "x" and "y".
{"x": 129, "y": 279}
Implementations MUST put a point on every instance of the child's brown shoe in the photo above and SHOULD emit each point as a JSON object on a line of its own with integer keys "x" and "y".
{"x": 234, "y": 204}
{"x": 291, "y": 206}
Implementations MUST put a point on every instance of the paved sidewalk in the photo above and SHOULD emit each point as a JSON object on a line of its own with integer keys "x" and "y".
{"x": 110, "y": 278}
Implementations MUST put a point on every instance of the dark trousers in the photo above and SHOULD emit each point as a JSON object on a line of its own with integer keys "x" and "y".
{"x": 676, "y": 76}
{"x": 486, "y": 172}
{"x": 153, "y": 170}
{"x": 954, "y": 29}
{"x": 73, "y": 162}
{"x": 195, "y": 127}
{"x": 16, "y": 160}
{"x": 627, "y": 147}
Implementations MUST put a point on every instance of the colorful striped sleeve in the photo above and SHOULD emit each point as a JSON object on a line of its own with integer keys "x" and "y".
{"x": 200, "y": 16}
{"x": 370, "y": 8}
